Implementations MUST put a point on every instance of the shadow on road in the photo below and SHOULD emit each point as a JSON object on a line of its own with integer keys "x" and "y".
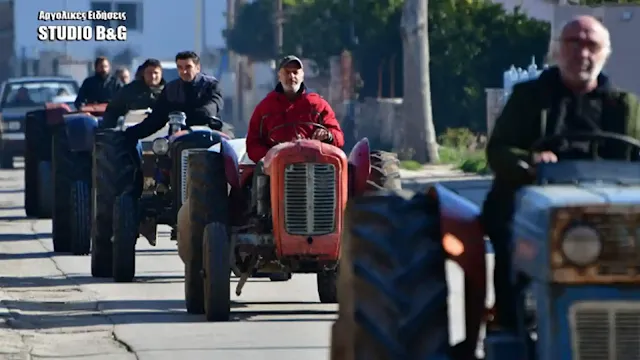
{"x": 27, "y": 256}
{"x": 11, "y": 191}
{"x": 23, "y": 237}
{"x": 14, "y": 218}
{"x": 48, "y": 315}
{"x": 7, "y": 282}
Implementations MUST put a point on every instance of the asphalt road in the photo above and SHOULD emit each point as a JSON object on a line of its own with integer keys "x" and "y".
{"x": 51, "y": 307}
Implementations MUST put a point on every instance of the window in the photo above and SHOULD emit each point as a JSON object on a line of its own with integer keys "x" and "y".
{"x": 37, "y": 93}
{"x": 100, "y": 6}
{"x": 134, "y": 15}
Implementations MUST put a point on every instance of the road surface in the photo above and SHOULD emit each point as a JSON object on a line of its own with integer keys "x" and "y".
{"x": 51, "y": 307}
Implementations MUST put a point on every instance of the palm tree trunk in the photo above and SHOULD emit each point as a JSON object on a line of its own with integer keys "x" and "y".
{"x": 417, "y": 113}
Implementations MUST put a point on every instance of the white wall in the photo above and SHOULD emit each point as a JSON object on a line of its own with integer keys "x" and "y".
{"x": 169, "y": 26}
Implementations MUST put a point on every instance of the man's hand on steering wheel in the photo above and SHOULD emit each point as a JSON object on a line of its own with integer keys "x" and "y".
{"x": 545, "y": 157}
{"x": 322, "y": 135}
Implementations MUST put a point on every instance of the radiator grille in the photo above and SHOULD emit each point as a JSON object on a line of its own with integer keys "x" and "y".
{"x": 310, "y": 199}
{"x": 606, "y": 331}
{"x": 184, "y": 170}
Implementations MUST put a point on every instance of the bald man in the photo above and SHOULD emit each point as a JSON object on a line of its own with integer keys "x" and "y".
{"x": 573, "y": 96}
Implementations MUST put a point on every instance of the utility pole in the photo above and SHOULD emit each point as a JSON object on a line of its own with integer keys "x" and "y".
{"x": 278, "y": 31}
{"x": 418, "y": 116}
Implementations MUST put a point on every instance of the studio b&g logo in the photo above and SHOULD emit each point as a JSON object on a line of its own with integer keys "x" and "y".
{"x": 81, "y": 33}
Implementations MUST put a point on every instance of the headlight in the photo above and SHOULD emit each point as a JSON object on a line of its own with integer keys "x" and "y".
{"x": 160, "y": 146}
{"x": 581, "y": 245}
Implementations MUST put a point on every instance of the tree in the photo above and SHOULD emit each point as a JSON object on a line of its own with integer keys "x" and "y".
{"x": 471, "y": 44}
{"x": 418, "y": 116}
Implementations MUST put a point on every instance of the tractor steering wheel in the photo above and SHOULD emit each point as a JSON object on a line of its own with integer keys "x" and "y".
{"x": 548, "y": 142}
{"x": 294, "y": 124}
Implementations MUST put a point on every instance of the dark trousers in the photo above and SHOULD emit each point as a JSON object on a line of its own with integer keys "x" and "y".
{"x": 497, "y": 218}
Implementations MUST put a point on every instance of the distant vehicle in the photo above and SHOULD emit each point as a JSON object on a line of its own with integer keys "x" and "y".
{"x": 19, "y": 96}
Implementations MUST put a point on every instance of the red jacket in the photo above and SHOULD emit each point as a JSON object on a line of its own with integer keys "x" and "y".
{"x": 275, "y": 109}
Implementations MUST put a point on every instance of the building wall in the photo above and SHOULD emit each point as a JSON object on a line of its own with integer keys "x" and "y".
{"x": 168, "y": 26}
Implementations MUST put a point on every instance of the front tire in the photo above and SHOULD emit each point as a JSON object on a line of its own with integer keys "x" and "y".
{"x": 80, "y": 239}
{"x": 217, "y": 278}
{"x": 125, "y": 236}
{"x": 208, "y": 203}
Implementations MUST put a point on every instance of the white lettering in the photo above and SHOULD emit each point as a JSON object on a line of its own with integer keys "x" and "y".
{"x": 65, "y": 33}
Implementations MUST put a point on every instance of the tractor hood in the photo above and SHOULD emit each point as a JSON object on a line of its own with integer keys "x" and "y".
{"x": 572, "y": 195}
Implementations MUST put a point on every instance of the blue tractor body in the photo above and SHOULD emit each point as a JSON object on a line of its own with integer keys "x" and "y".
{"x": 576, "y": 239}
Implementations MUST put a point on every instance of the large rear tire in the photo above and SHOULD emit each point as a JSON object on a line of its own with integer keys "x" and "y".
{"x": 208, "y": 203}
{"x": 45, "y": 190}
{"x": 393, "y": 290}
{"x": 114, "y": 171}
{"x": 385, "y": 175}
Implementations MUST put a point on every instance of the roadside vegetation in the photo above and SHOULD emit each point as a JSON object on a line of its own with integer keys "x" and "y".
{"x": 461, "y": 148}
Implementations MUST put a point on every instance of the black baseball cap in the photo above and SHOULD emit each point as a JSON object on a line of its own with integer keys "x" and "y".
{"x": 288, "y": 60}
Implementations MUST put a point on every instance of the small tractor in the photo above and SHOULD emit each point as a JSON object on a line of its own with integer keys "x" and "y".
{"x": 59, "y": 141}
{"x": 40, "y": 126}
{"x": 131, "y": 195}
{"x": 281, "y": 215}
{"x": 575, "y": 252}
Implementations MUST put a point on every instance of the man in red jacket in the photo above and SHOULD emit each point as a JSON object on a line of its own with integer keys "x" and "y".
{"x": 290, "y": 103}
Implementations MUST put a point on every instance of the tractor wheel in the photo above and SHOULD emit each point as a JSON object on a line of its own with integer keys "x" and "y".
{"x": 80, "y": 240}
{"x": 68, "y": 169}
{"x": 217, "y": 279}
{"x": 393, "y": 289}
{"x": 62, "y": 163}
{"x": 385, "y": 171}
{"x": 208, "y": 203}
{"x": 113, "y": 171}
{"x": 44, "y": 190}
{"x": 385, "y": 175}
{"x": 125, "y": 235}
{"x": 37, "y": 164}
{"x": 6, "y": 161}
{"x": 327, "y": 289}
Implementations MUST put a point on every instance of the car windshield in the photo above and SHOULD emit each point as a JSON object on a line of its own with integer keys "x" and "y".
{"x": 34, "y": 93}
{"x": 169, "y": 74}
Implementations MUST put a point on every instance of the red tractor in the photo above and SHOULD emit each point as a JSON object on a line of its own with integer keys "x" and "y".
{"x": 286, "y": 216}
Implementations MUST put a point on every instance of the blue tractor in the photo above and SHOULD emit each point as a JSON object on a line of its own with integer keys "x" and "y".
{"x": 575, "y": 253}
{"x": 71, "y": 145}
{"x": 131, "y": 196}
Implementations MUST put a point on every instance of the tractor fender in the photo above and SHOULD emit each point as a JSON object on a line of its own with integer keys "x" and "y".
{"x": 359, "y": 167}
{"x": 230, "y": 158}
{"x": 80, "y": 131}
{"x": 463, "y": 241}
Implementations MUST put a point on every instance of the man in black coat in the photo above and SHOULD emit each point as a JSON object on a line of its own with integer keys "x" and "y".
{"x": 142, "y": 93}
{"x": 196, "y": 94}
{"x": 99, "y": 88}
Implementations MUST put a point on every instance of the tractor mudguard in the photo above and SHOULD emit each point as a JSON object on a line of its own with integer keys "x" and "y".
{"x": 231, "y": 167}
{"x": 359, "y": 167}
{"x": 463, "y": 240}
{"x": 80, "y": 130}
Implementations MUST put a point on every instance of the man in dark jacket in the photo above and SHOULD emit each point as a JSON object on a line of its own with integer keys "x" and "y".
{"x": 99, "y": 88}
{"x": 142, "y": 93}
{"x": 291, "y": 103}
{"x": 572, "y": 97}
{"x": 194, "y": 93}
